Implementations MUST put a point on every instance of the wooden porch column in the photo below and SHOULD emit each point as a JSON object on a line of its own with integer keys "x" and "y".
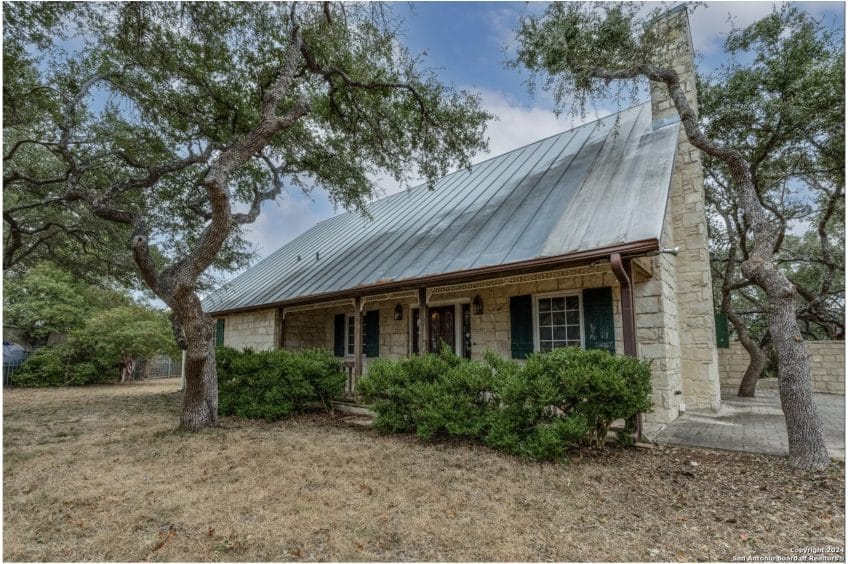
{"x": 424, "y": 325}
{"x": 281, "y": 328}
{"x": 358, "y": 338}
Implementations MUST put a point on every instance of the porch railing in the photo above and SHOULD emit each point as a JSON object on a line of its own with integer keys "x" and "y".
{"x": 350, "y": 381}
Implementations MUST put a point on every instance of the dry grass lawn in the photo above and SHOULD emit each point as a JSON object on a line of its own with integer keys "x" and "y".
{"x": 101, "y": 474}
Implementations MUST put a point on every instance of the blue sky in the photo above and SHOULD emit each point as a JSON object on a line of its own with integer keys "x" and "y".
{"x": 467, "y": 43}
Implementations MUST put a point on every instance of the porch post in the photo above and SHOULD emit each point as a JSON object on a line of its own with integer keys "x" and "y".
{"x": 358, "y": 338}
{"x": 281, "y": 328}
{"x": 424, "y": 325}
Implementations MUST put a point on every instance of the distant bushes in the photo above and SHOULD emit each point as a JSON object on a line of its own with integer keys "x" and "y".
{"x": 275, "y": 384}
{"x": 62, "y": 365}
{"x": 96, "y": 350}
{"x": 557, "y": 400}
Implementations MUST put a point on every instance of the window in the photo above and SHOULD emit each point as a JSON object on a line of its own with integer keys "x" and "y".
{"x": 558, "y": 322}
{"x": 344, "y": 334}
{"x": 349, "y": 335}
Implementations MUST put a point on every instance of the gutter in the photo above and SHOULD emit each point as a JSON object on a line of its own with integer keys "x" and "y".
{"x": 628, "y": 250}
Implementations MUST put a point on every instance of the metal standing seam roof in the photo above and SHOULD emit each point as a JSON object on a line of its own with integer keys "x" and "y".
{"x": 594, "y": 186}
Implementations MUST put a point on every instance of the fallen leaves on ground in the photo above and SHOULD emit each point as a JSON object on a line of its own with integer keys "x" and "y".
{"x": 101, "y": 473}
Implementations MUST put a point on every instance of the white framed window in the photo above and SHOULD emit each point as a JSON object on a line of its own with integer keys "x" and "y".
{"x": 349, "y": 334}
{"x": 558, "y": 321}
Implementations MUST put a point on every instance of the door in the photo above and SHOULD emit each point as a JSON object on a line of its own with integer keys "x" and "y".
{"x": 442, "y": 320}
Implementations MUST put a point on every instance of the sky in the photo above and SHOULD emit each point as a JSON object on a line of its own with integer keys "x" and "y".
{"x": 467, "y": 44}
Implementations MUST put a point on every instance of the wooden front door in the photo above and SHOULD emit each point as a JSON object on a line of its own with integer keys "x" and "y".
{"x": 442, "y": 320}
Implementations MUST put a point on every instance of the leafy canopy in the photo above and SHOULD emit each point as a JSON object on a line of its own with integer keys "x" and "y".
{"x": 48, "y": 300}
{"x": 122, "y": 108}
{"x": 784, "y": 111}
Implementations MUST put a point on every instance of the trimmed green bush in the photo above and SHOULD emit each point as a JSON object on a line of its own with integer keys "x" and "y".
{"x": 538, "y": 409}
{"x": 275, "y": 384}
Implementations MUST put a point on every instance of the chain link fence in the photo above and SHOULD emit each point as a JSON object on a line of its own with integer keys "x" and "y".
{"x": 162, "y": 366}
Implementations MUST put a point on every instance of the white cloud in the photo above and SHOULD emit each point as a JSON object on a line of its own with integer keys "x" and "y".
{"x": 517, "y": 125}
{"x": 711, "y": 24}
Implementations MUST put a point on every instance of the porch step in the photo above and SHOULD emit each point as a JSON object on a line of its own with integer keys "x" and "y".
{"x": 350, "y": 406}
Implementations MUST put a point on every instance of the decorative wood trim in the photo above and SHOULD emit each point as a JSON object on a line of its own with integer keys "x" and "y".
{"x": 318, "y": 305}
{"x": 581, "y": 258}
{"x": 402, "y": 295}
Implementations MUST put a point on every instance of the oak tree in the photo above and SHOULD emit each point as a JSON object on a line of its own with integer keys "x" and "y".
{"x": 784, "y": 111}
{"x": 581, "y": 49}
{"x": 177, "y": 121}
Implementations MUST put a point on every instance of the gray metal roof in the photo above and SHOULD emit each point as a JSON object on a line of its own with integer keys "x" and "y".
{"x": 591, "y": 187}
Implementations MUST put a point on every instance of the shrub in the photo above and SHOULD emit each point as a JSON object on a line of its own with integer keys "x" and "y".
{"x": 434, "y": 394}
{"x": 539, "y": 409}
{"x": 62, "y": 365}
{"x": 593, "y": 385}
{"x": 275, "y": 384}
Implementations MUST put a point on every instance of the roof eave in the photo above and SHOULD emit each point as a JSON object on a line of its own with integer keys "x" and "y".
{"x": 630, "y": 250}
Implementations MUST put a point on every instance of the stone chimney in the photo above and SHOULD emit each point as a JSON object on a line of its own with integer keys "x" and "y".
{"x": 676, "y": 51}
{"x": 688, "y": 272}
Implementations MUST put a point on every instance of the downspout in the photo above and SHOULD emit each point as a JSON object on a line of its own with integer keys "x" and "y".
{"x": 621, "y": 268}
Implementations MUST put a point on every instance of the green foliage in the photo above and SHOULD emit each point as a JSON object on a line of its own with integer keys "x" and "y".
{"x": 538, "y": 409}
{"x": 181, "y": 77}
{"x": 432, "y": 395}
{"x": 46, "y": 300}
{"x": 570, "y": 41}
{"x": 62, "y": 365}
{"x": 272, "y": 385}
{"x": 130, "y": 330}
{"x": 101, "y": 325}
{"x": 784, "y": 111}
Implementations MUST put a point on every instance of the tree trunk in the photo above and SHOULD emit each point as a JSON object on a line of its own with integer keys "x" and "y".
{"x": 128, "y": 366}
{"x": 807, "y": 449}
{"x": 806, "y": 445}
{"x": 200, "y": 395}
{"x": 747, "y": 389}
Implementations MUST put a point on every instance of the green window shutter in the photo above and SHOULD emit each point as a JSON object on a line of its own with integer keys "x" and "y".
{"x": 721, "y": 328}
{"x": 339, "y": 334}
{"x": 522, "y": 327}
{"x": 371, "y": 333}
{"x": 598, "y": 319}
{"x": 219, "y": 332}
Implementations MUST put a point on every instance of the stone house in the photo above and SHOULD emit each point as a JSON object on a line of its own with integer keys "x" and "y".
{"x": 595, "y": 237}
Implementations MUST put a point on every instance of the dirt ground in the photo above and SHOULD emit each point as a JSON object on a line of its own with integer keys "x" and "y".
{"x": 101, "y": 474}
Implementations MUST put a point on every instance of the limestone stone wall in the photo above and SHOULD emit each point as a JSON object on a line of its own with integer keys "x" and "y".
{"x": 306, "y": 330}
{"x": 257, "y": 330}
{"x": 826, "y": 357}
{"x": 694, "y": 301}
{"x": 657, "y": 329}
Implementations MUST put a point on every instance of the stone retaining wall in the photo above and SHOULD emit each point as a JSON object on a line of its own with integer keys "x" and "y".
{"x": 827, "y": 358}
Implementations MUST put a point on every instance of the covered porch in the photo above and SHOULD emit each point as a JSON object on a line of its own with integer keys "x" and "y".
{"x": 512, "y": 315}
